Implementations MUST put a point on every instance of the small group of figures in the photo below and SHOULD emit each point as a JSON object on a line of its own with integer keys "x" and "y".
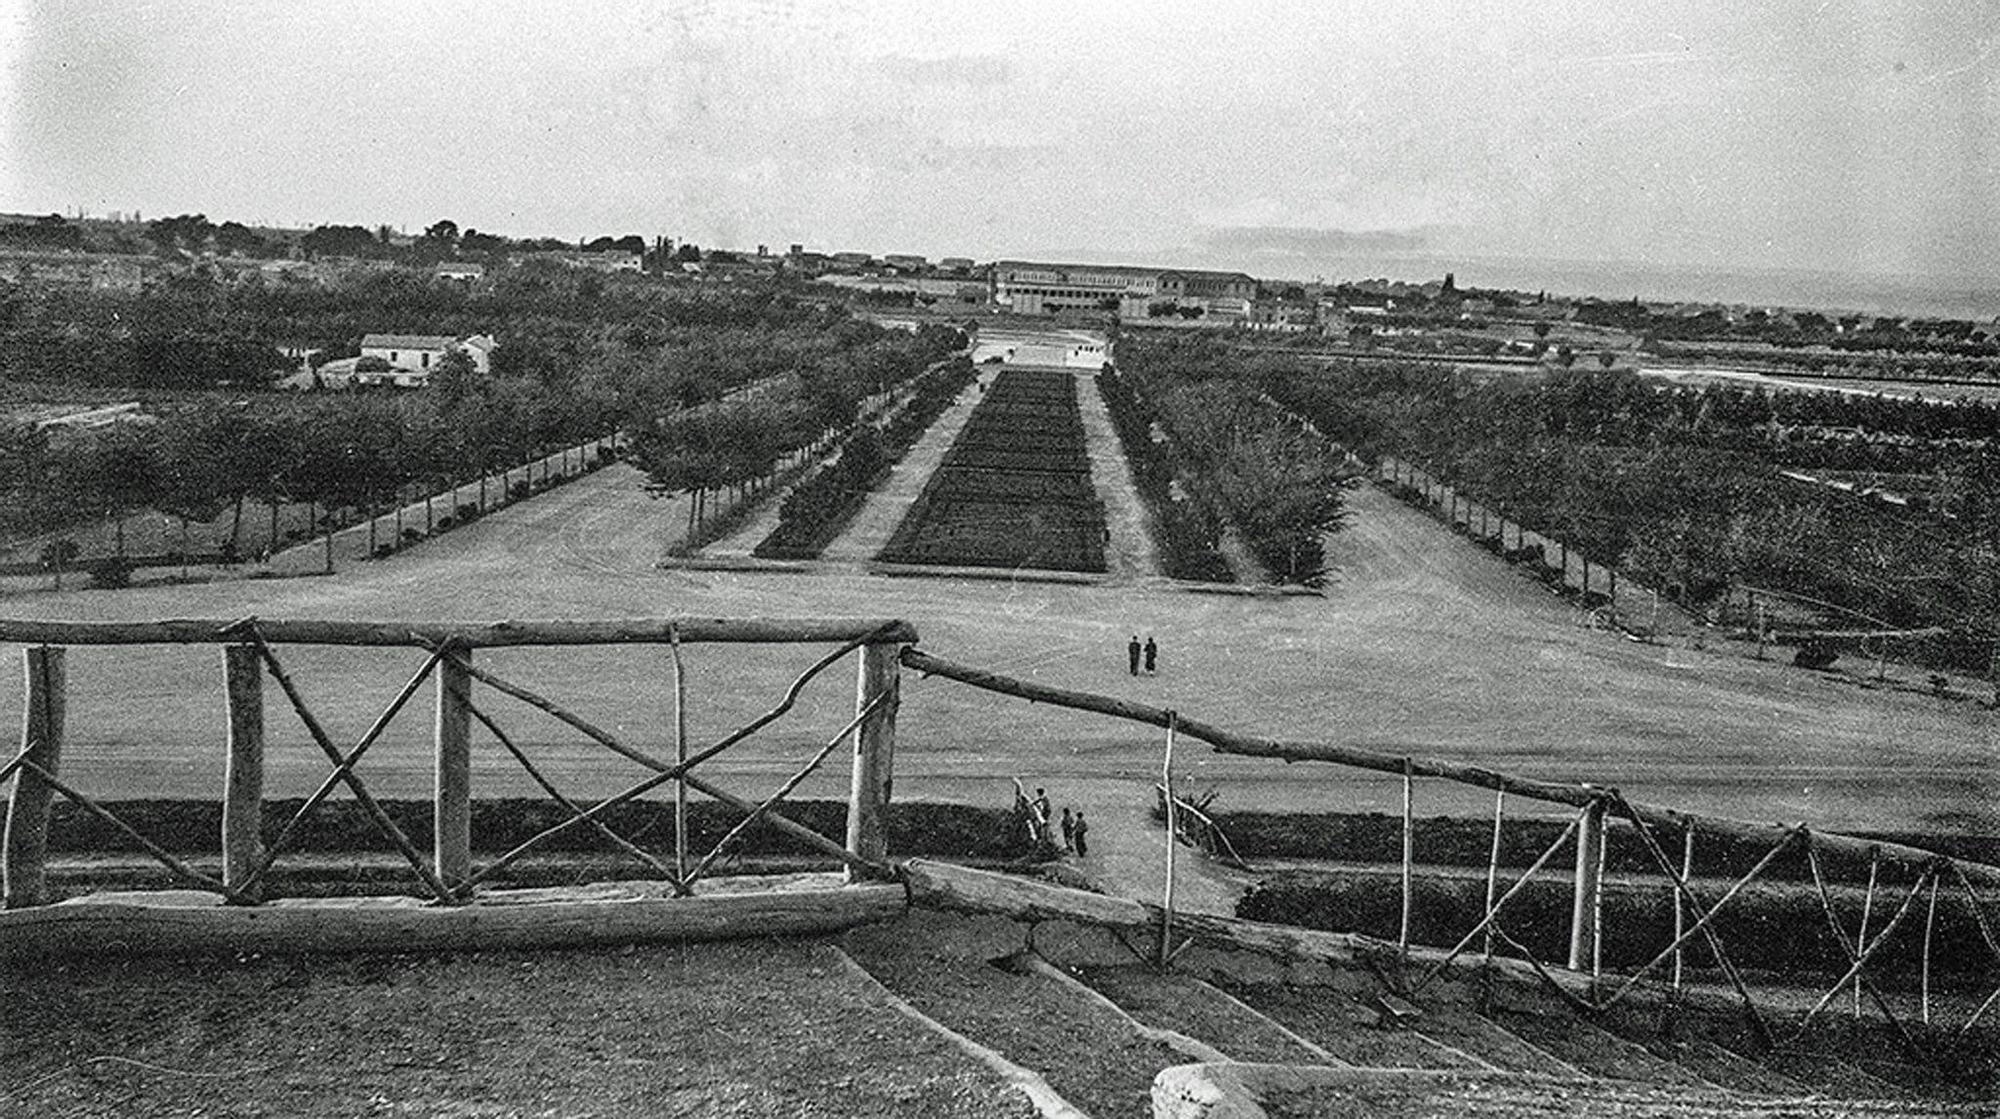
{"x": 1042, "y": 830}
{"x": 1147, "y": 655}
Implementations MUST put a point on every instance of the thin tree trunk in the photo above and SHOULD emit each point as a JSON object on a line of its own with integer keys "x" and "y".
{"x": 371, "y": 530}
{"x": 271, "y": 548}
{"x": 430, "y": 526}
{"x": 119, "y": 521}
{"x": 236, "y": 528}
{"x": 184, "y": 547}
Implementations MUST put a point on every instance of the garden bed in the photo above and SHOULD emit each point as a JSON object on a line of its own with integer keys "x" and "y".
{"x": 1014, "y": 490}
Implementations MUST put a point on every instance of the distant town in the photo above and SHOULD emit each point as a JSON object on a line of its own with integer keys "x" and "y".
{"x": 1431, "y": 317}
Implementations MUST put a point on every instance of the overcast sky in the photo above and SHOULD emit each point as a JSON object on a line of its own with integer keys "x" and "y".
{"x": 1837, "y": 135}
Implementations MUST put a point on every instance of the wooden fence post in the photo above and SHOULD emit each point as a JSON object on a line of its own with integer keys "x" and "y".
{"x": 24, "y": 848}
{"x": 243, "y": 776}
{"x": 874, "y": 757}
{"x": 1409, "y": 856}
{"x": 451, "y": 816}
{"x": 1589, "y": 882}
{"x": 680, "y": 755}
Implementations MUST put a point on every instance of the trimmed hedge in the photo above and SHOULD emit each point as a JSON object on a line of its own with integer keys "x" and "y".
{"x": 190, "y": 827}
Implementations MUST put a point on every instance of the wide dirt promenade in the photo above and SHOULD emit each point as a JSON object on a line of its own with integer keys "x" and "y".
{"x": 1422, "y": 645}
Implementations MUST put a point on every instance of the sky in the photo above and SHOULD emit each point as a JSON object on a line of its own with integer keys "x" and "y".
{"x": 1848, "y": 137}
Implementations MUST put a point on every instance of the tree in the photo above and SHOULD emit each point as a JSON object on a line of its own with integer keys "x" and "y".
{"x": 241, "y": 240}
{"x": 50, "y": 232}
{"x": 185, "y": 232}
{"x": 195, "y": 469}
{"x": 117, "y": 473}
{"x": 687, "y": 253}
{"x": 444, "y": 232}
{"x": 338, "y": 240}
{"x": 473, "y": 241}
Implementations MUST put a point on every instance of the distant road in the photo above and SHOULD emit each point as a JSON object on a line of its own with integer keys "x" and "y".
{"x": 1750, "y": 378}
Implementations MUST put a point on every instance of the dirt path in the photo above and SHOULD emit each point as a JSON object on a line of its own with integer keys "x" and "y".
{"x": 1424, "y": 644}
{"x": 871, "y": 528}
{"x": 1128, "y": 851}
{"x": 1129, "y": 554}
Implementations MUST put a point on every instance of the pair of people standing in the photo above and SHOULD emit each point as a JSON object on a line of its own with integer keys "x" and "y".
{"x": 1149, "y": 654}
{"x": 1075, "y": 832}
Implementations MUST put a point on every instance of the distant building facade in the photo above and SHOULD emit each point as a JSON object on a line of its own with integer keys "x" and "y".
{"x": 411, "y": 357}
{"x": 1034, "y": 288}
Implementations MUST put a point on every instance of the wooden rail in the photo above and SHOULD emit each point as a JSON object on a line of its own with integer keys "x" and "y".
{"x": 465, "y": 635}
{"x": 448, "y": 873}
{"x": 1585, "y": 956}
{"x": 1552, "y": 792}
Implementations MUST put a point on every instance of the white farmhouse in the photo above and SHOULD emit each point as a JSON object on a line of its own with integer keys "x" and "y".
{"x": 412, "y": 356}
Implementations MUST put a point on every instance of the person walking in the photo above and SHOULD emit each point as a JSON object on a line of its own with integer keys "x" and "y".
{"x": 1152, "y": 656}
{"x": 1041, "y": 807}
{"x": 1132, "y": 651}
{"x": 1079, "y": 827}
{"x": 1068, "y": 831}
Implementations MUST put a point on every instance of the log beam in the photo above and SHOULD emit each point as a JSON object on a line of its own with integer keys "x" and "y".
{"x": 469, "y": 635}
{"x": 451, "y": 810}
{"x": 874, "y": 757}
{"x": 243, "y": 776}
{"x": 574, "y": 917}
{"x": 24, "y": 846}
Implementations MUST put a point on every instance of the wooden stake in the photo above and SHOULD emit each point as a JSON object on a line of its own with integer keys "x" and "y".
{"x": 24, "y": 846}
{"x": 1680, "y": 904}
{"x": 243, "y": 777}
{"x": 1493, "y": 866}
{"x": 1173, "y": 841}
{"x": 1409, "y": 853}
{"x": 1867, "y": 907}
{"x": 1930, "y": 926}
{"x": 680, "y": 757}
{"x": 1588, "y": 885}
{"x": 874, "y": 759}
{"x": 452, "y": 810}
{"x": 1597, "y": 918}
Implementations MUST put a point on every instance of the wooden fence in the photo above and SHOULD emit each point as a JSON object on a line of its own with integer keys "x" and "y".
{"x": 250, "y": 657}
{"x": 1595, "y": 809}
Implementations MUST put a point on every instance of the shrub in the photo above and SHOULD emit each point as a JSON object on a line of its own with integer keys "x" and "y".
{"x": 445, "y": 522}
{"x": 384, "y": 551}
{"x": 518, "y": 491}
{"x": 110, "y": 572}
{"x": 60, "y": 553}
{"x": 412, "y": 535}
{"x": 468, "y": 512}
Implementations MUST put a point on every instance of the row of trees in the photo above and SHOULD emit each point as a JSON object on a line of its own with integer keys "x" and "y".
{"x": 1664, "y": 485}
{"x": 195, "y": 331}
{"x": 364, "y": 453}
{"x": 738, "y": 444}
{"x": 1275, "y": 479}
{"x": 823, "y": 504}
{"x": 1187, "y": 532}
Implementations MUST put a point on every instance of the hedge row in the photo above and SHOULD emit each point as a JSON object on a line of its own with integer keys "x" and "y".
{"x": 190, "y": 827}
